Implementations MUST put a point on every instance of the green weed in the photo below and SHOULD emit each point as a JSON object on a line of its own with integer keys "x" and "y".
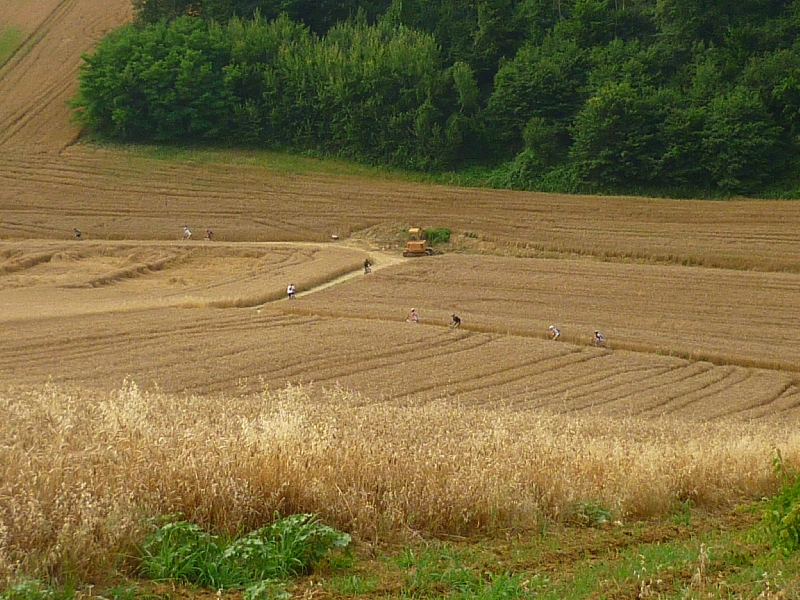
{"x": 438, "y": 235}
{"x": 353, "y": 585}
{"x": 590, "y": 514}
{"x": 290, "y": 546}
{"x": 439, "y": 571}
{"x": 782, "y": 513}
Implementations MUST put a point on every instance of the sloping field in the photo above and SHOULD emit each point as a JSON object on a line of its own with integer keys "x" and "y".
{"x": 114, "y": 195}
{"x": 40, "y": 78}
{"x": 44, "y": 279}
{"x": 175, "y": 328}
{"x": 729, "y": 317}
{"x": 131, "y": 301}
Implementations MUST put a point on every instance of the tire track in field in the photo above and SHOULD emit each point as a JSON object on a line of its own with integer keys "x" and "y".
{"x": 501, "y": 374}
{"x": 41, "y": 75}
{"x": 113, "y": 343}
{"x": 402, "y": 355}
{"x": 762, "y": 398}
{"x": 598, "y": 391}
{"x": 731, "y": 377}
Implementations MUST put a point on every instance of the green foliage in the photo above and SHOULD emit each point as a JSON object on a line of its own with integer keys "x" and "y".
{"x": 615, "y": 137}
{"x": 373, "y": 93}
{"x": 319, "y": 17}
{"x": 781, "y": 516}
{"x": 575, "y": 95}
{"x": 255, "y": 562}
{"x": 438, "y": 235}
{"x": 442, "y": 572}
{"x": 741, "y": 143}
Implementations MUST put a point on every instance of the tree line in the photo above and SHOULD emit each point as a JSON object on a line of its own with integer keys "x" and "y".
{"x": 691, "y": 97}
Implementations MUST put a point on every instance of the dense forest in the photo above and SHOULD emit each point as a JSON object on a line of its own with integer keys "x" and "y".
{"x": 678, "y": 97}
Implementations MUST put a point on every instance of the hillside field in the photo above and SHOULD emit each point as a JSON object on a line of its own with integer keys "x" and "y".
{"x": 143, "y": 374}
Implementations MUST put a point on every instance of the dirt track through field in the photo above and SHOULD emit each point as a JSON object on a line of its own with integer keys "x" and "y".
{"x": 710, "y": 336}
{"x": 113, "y": 195}
{"x": 93, "y": 314}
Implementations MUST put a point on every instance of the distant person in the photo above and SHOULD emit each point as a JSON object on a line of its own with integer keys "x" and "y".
{"x": 555, "y": 332}
{"x": 186, "y": 233}
{"x": 598, "y": 339}
{"x": 78, "y": 233}
{"x": 455, "y": 321}
{"x": 367, "y": 267}
{"x": 413, "y": 316}
{"x": 209, "y": 235}
{"x": 290, "y": 291}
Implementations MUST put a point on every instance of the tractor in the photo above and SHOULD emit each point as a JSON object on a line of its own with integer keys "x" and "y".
{"x": 417, "y": 244}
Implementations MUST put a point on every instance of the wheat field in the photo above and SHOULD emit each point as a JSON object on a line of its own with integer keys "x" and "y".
{"x": 85, "y": 469}
{"x": 142, "y": 375}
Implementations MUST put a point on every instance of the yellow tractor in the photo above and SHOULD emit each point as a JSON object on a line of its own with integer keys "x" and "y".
{"x": 417, "y": 244}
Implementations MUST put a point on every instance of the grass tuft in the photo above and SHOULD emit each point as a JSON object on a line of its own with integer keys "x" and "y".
{"x": 10, "y": 39}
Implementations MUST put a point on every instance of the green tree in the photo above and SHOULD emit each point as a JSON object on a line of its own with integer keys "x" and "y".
{"x": 741, "y": 144}
{"x": 541, "y": 81}
{"x": 616, "y": 145}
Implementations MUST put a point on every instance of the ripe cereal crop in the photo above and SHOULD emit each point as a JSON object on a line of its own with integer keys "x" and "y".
{"x": 85, "y": 469}
{"x": 143, "y": 374}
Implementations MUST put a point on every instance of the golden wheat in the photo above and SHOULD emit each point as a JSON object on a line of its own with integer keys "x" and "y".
{"x": 80, "y": 470}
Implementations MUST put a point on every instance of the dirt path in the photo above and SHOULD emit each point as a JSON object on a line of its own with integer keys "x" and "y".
{"x": 380, "y": 260}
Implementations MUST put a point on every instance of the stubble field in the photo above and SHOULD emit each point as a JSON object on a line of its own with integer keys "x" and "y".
{"x": 142, "y": 374}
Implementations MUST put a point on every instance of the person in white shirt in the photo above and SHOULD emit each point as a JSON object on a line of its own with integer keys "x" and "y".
{"x": 555, "y": 332}
{"x": 290, "y": 291}
{"x": 186, "y": 233}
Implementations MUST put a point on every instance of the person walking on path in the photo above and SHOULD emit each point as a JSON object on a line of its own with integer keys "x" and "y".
{"x": 290, "y": 291}
{"x": 186, "y": 233}
{"x": 367, "y": 266}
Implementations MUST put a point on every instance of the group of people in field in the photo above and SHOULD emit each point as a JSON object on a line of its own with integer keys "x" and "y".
{"x": 187, "y": 234}
{"x": 413, "y": 317}
{"x": 554, "y": 333}
{"x": 598, "y": 339}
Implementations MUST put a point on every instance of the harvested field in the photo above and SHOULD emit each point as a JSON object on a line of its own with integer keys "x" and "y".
{"x": 40, "y": 77}
{"x": 95, "y": 314}
{"x": 118, "y": 195}
{"x": 44, "y": 279}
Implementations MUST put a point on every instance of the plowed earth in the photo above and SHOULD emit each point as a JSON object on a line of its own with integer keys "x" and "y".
{"x": 699, "y": 300}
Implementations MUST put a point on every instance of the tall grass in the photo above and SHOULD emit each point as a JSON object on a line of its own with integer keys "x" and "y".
{"x": 81, "y": 471}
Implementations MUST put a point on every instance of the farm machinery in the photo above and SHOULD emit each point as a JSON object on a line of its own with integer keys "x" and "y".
{"x": 417, "y": 244}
